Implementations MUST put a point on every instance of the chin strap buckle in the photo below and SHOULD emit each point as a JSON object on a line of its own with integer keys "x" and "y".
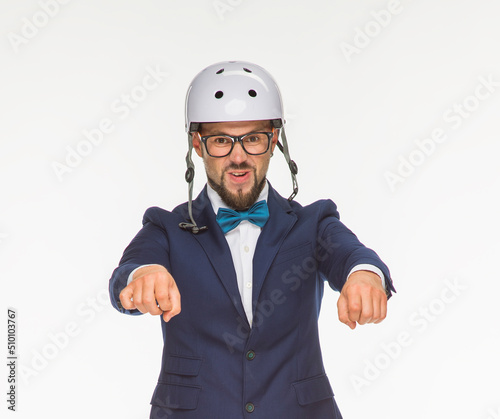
{"x": 192, "y": 228}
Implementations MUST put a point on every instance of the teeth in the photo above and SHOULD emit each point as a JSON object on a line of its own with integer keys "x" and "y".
{"x": 238, "y": 174}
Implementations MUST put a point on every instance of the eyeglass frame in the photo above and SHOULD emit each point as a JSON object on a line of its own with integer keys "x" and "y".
{"x": 239, "y": 139}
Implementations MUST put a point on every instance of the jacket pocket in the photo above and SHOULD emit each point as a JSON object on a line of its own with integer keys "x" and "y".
{"x": 176, "y": 396}
{"x": 313, "y": 389}
{"x": 182, "y": 365}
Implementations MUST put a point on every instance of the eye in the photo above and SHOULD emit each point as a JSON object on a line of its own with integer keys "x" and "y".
{"x": 220, "y": 140}
{"x": 253, "y": 138}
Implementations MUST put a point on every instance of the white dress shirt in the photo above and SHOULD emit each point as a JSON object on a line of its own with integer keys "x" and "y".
{"x": 242, "y": 241}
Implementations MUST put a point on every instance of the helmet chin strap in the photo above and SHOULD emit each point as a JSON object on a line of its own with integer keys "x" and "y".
{"x": 291, "y": 164}
{"x": 189, "y": 176}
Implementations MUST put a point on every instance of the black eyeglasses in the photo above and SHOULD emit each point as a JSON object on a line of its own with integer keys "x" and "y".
{"x": 254, "y": 143}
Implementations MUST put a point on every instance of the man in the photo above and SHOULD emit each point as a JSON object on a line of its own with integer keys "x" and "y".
{"x": 250, "y": 267}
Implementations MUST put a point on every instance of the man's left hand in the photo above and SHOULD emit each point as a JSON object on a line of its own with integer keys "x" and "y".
{"x": 362, "y": 299}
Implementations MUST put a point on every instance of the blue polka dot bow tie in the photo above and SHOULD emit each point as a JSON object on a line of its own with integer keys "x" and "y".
{"x": 229, "y": 219}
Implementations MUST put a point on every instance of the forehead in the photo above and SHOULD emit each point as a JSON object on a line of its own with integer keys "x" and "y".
{"x": 235, "y": 127}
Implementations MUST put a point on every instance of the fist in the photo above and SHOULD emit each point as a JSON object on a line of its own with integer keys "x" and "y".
{"x": 362, "y": 299}
{"x": 154, "y": 291}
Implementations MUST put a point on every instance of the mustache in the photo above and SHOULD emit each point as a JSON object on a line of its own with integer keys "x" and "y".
{"x": 242, "y": 166}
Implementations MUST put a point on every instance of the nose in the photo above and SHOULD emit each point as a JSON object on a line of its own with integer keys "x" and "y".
{"x": 238, "y": 155}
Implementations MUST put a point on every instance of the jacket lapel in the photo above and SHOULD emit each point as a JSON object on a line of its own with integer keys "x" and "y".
{"x": 216, "y": 248}
{"x": 281, "y": 220}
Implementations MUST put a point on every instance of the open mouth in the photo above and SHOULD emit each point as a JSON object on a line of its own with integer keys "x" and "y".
{"x": 239, "y": 176}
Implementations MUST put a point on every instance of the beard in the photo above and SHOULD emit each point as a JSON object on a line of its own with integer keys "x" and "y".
{"x": 238, "y": 201}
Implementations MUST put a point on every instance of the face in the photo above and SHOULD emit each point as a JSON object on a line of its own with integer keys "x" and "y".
{"x": 238, "y": 178}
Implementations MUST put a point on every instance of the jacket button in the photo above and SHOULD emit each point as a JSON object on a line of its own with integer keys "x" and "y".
{"x": 249, "y": 407}
{"x": 250, "y": 355}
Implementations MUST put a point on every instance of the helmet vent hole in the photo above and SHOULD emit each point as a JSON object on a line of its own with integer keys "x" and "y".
{"x": 247, "y": 70}
{"x": 219, "y": 94}
{"x": 252, "y": 93}
{"x": 220, "y": 71}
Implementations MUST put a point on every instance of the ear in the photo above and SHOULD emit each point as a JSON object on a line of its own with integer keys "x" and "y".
{"x": 197, "y": 143}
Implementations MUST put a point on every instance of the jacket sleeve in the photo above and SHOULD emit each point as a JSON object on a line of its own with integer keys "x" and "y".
{"x": 340, "y": 250}
{"x": 149, "y": 246}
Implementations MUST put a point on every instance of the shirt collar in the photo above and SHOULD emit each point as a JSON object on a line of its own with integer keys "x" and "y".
{"x": 217, "y": 202}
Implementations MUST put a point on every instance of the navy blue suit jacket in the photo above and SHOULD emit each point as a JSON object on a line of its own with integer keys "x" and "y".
{"x": 214, "y": 366}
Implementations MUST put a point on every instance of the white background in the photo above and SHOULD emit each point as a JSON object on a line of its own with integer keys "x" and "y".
{"x": 350, "y": 116}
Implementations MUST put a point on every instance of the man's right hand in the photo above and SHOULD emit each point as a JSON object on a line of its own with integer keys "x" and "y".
{"x": 152, "y": 284}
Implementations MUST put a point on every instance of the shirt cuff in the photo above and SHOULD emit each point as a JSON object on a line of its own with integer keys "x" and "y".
{"x": 131, "y": 275}
{"x": 371, "y": 268}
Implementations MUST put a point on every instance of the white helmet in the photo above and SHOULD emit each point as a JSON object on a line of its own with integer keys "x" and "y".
{"x": 232, "y": 91}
